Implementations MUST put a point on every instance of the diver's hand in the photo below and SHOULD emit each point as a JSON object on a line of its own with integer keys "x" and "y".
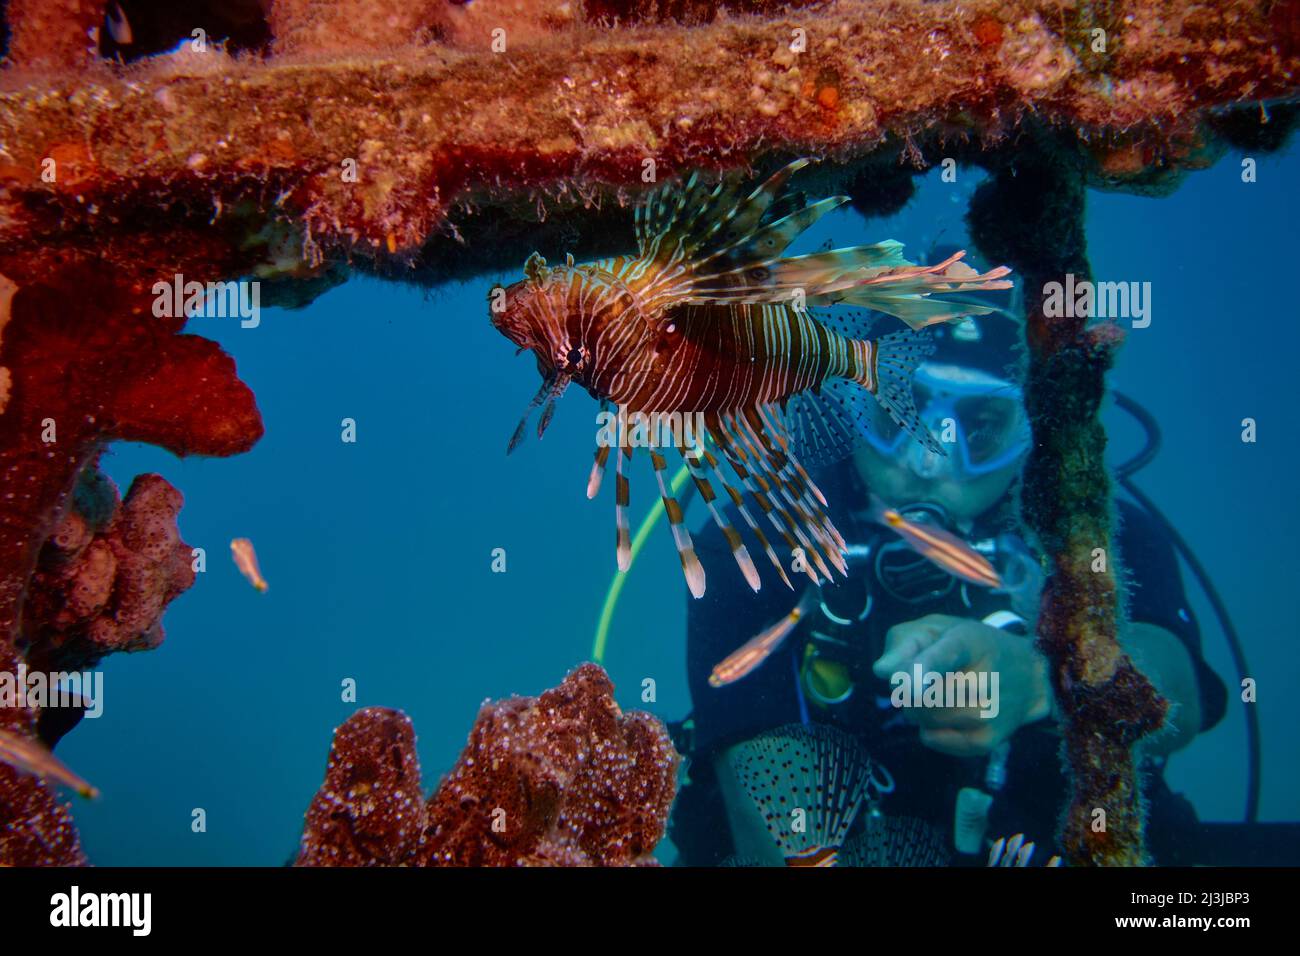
{"x": 945, "y": 644}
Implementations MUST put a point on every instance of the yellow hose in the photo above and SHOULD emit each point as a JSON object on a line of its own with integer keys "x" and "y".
{"x": 620, "y": 577}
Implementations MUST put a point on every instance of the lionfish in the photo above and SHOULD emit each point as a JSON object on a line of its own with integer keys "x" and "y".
{"x": 711, "y": 320}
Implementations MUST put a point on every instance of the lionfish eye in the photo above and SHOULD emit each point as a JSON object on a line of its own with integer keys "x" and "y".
{"x": 574, "y": 356}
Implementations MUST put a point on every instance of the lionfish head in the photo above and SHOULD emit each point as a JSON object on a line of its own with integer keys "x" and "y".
{"x": 532, "y": 314}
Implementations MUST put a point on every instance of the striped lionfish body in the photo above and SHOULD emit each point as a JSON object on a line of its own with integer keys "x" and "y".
{"x": 710, "y": 319}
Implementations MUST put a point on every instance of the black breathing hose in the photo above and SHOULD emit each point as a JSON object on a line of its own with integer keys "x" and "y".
{"x": 1124, "y": 475}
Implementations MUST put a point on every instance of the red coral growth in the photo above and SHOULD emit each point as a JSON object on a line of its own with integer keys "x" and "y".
{"x": 988, "y": 31}
{"x": 86, "y": 363}
{"x": 683, "y": 11}
{"x": 565, "y": 779}
{"x": 52, "y": 34}
{"x": 578, "y": 781}
{"x": 1284, "y": 18}
{"x": 458, "y": 142}
{"x": 324, "y": 29}
{"x": 309, "y": 28}
{"x": 82, "y": 362}
{"x": 36, "y": 828}
{"x": 370, "y": 810}
{"x": 104, "y": 580}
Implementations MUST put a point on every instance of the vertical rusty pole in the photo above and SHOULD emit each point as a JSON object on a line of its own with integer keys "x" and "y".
{"x": 1030, "y": 214}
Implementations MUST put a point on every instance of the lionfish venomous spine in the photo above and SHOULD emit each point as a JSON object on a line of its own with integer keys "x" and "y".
{"x": 709, "y": 318}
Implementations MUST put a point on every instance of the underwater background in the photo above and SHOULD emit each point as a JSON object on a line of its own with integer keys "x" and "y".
{"x": 378, "y": 553}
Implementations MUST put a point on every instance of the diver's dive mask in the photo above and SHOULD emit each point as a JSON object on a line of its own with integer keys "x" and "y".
{"x": 977, "y": 417}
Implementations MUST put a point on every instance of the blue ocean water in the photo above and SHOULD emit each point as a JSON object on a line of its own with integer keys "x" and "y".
{"x": 379, "y": 552}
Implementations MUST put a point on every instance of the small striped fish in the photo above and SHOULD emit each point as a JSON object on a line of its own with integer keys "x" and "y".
{"x": 245, "y": 558}
{"x": 745, "y": 660}
{"x": 710, "y": 319}
{"x": 31, "y": 756}
{"x": 941, "y": 548}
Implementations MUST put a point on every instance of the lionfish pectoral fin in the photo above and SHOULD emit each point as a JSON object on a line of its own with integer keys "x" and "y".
{"x": 622, "y": 498}
{"x": 597, "y": 471}
{"x": 765, "y": 473}
{"x": 691, "y": 567}
{"x": 788, "y": 487}
{"x": 824, "y": 422}
{"x": 695, "y": 461}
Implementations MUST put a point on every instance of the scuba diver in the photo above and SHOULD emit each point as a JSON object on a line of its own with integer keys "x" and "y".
{"x": 900, "y": 612}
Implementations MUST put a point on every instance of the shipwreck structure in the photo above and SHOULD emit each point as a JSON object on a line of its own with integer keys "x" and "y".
{"x": 298, "y": 140}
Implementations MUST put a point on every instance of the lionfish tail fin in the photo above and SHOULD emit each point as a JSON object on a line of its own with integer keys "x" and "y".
{"x": 897, "y": 357}
{"x": 826, "y": 425}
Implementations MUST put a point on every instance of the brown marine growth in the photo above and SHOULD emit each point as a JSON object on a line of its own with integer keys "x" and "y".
{"x": 106, "y": 574}
{"x": 564, "y": 779}
{"x": 83, "y": 362}
{"x": 370, "y": 811}
{"x": 1033, "y": 215}
{"x": 36, "y": 827}
{"x": 467, "y": 159}
{"x": 579, "y": 783}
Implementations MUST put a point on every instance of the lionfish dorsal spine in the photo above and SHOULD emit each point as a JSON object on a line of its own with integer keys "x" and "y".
{"x": 734, "y": 253}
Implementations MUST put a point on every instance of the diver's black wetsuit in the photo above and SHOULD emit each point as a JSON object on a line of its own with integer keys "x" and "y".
{"x": 927, "y": 782}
